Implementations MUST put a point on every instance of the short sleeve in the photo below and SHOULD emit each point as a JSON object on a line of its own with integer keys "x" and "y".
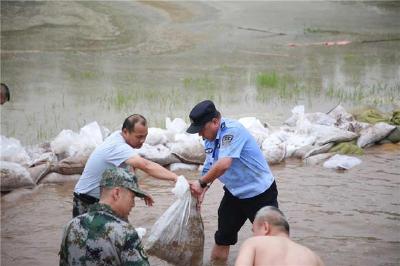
{"x": 232, "y": 142}
{"x": 208, "y": 161}
{"x": 120, "y": 154}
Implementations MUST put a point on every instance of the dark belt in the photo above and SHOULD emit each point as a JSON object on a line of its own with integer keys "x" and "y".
{"x": 86, "y": 198}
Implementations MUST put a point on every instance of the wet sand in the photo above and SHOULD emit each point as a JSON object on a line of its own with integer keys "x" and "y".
{"x": 348, "y": 218}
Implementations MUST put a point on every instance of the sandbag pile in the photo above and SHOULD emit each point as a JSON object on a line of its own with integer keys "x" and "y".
{"x": 61, "y": 160}
{"x": 311, "y": 137}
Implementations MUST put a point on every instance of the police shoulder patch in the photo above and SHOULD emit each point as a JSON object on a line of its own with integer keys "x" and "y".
{"x": 209, "y": 150}
{"x": 227, "y": 139}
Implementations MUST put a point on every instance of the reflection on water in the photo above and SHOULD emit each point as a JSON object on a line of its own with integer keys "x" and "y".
{"x": 72, "y": 63}
{"x": 348, "y": 218}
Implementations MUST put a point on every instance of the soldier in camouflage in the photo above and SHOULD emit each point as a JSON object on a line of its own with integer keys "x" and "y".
{"x": 103, "y": 236}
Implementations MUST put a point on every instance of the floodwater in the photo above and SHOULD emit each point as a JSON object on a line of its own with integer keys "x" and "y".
{"x": 69, "y": 63}
{"x": 348, "y": 218}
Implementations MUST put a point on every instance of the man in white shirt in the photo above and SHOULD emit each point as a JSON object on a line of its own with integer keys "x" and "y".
{"x": 119, "y": 150}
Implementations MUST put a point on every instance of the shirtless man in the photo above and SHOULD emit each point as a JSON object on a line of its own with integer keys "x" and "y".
{"x": 271, "y": 245}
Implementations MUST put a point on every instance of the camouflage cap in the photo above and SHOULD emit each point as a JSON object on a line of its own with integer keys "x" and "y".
{"x": 120, "y": 177}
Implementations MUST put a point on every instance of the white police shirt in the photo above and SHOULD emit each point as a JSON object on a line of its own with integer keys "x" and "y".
{"x": 114, "y": 151}
{"x": 249, "y": 174}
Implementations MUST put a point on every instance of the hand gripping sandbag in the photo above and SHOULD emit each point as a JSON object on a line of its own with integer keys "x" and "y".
{"x": 178, "y": 235}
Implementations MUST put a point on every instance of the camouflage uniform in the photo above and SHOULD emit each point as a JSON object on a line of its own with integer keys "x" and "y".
{"x": 81, "y": 206}
{"x": 100, "y": 236}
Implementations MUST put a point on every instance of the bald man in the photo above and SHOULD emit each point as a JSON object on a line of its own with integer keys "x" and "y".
{"x": 271, "y": 245}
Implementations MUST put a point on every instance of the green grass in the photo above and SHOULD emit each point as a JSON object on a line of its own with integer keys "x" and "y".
{"x": 204, "y": 84}
{"x": 318, "y": 30}
{"x": 266, "y": 80}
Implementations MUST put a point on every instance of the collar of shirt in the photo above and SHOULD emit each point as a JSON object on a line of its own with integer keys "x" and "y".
{"x": 101, "y": 207}
{"x": 221, "y": 127}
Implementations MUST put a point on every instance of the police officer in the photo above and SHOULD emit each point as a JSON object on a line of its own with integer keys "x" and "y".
{"x": 232, "y": 156}
{"x": 103, "y": 235}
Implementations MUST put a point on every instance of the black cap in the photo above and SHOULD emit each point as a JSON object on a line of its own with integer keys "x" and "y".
{"x": 202, "y": 113}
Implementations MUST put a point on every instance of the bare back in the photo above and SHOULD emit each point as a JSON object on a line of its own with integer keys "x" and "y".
{"x": 275, "y": 250}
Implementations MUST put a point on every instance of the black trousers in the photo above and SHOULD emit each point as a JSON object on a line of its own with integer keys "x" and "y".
{"x": 233, "y": 213}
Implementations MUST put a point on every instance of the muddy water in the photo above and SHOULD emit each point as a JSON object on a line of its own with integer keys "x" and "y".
{"x": 348, "y": 218}
{"x": 70, "y": 63}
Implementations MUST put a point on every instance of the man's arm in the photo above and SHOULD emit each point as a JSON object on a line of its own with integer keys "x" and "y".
{"x": 151, "y": 168}
{"x": 132, "y": 251}
{"x": 216, "y": 171}
{"x": 246, "y": 254}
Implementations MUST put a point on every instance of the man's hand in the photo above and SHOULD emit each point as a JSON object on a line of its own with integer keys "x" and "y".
{"x": 148, "y": 200}
{"x": 195, "y": 188}
{"x": 201, "y": 198}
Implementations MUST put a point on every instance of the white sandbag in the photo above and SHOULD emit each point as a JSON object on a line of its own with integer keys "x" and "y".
{"x": 374, "y": 134}
{"x": 82, "y": 144}
{"x": 342, "y": 162}
{"x": 183, "y": 166}
{"x": 178, "y": 235}
{"x": 295, "y": 142}
{"x": 317, "y": 149}
{"x": 354, "y": 126}
{"x": 274, "y": 138}
{"x": 317, "y": 159}
{"x": 58, "y": 178}
{"x": 158, "y": 153}
{"x": 177, "y": 125}
{"x": 70, "y": 165}
{"x": 256, "y": 128}
{"x": 297, "y": 111}
{"x": 43, "y": 158}
{"x": 320, "y": 119}
{"x": 63, "y": 141}
{"x": 274, "y": 153}
{"x": 90, "y": 136}
{"x": 188, "y": 150}
{"x": 13, "y": 176}
{"x": 156, "y": 136}
{"x": 252, "y": 123}
{"x": 37, "y": 172}
{"x": 12, "y": 151}
{"x": 341, "y": 115}
{"x": 326, "y": 134}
